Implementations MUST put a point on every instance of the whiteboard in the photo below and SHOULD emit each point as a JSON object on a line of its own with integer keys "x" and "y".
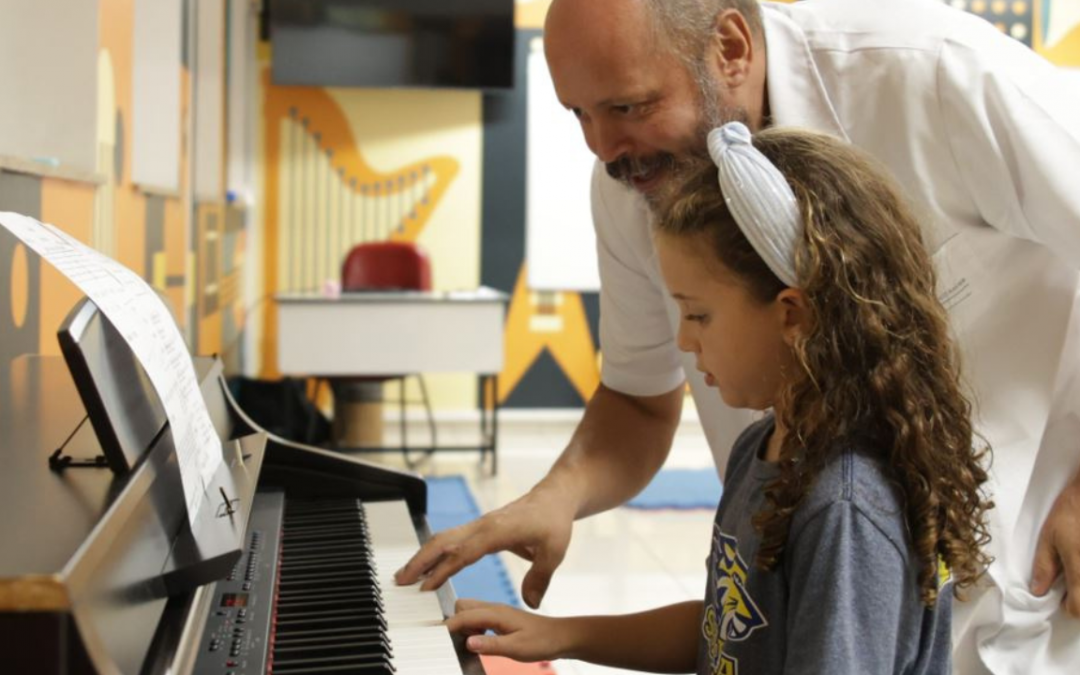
{"x": 156, "y": 93}
{"x": 560, "y": 245}
{"x": 241, "y": 97}
{"x": 48, "y": 76}
{"x": 209, "y": 100}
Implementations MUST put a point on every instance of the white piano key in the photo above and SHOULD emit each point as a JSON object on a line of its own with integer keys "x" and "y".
{"x": 421, "y": 643}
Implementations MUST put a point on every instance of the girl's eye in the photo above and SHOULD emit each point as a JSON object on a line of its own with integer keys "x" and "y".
{"x": 695, "y": 317}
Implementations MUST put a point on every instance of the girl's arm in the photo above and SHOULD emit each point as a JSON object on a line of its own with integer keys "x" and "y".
{"x": 662, "y": 640}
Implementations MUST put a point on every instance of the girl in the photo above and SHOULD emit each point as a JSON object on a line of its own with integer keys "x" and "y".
{"x": 852, "y": 507}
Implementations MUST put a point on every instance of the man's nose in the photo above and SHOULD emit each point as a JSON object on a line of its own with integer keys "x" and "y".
{"x": 607, "y": 141}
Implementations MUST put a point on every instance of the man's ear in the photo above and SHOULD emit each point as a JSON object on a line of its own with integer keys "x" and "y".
{"x": 794, "y": 314}
{"x": 732, "y": 47}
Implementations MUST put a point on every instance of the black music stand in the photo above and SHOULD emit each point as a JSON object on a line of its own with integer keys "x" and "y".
{"x": 130, "y": 423}
{"x": 120, "y": 402}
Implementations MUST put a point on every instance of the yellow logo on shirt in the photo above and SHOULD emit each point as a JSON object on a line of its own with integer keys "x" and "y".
{"x": 730, "y": 613}
{"x": 944, "y": 574}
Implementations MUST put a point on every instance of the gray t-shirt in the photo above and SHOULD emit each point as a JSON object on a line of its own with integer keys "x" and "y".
{"x": 844, "y": 599}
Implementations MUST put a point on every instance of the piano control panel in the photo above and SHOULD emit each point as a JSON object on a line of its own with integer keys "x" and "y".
{"x": 237, "y": 630}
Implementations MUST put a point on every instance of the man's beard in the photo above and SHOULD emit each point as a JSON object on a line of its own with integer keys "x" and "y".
{"x": 712, "y": 113}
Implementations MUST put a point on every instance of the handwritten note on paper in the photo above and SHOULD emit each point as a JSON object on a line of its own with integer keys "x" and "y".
{"x": 140, "y": 316}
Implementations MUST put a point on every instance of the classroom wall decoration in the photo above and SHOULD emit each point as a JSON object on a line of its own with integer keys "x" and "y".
{"x": 551, "y": 352}
{"x": 345, "y": 166}
{"x": 195, "y": 260}
{"x": 1050, "y": 27}
{"x": 446, "y": 169}
{"x": 349, "y": 165}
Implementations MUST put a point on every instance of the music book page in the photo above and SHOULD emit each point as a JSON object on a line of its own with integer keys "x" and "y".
{"x": 144, "y": 321}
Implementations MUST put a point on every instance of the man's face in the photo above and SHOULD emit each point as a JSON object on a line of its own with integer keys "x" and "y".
{"x": 640, "y": 107}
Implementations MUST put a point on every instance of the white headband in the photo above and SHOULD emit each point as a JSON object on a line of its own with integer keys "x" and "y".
{"x": 759, "y": 198}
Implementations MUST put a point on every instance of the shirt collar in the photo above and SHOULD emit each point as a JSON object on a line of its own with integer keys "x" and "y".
{"x": 797, "y": 96}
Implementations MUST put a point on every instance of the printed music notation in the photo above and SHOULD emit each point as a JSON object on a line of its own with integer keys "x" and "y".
{"x": 144, "y": 322}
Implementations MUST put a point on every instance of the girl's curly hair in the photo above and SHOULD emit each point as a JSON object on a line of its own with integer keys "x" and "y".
{"x": 877, "y": 359}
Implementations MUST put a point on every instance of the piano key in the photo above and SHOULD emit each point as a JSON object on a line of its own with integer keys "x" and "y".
{"x": 421, "y": 643}
{"x": 336, "y": 609}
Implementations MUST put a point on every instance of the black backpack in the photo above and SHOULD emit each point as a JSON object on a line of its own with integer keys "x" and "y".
{"x": 282, "y": 408}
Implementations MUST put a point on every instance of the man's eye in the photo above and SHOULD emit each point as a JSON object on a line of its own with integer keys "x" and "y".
{"x": 695, "y": 317}
{"x": 623, "y": 109}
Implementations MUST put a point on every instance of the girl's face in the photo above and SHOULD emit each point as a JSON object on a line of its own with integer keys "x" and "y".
{"x": 740, "y": 343}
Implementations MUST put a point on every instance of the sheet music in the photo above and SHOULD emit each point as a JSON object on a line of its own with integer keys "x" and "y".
{"x": 140, "y": 316}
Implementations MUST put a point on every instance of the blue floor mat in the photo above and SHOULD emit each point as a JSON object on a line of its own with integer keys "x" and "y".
{"x": 680, "y": 489}
{"x": 450, "y": 503}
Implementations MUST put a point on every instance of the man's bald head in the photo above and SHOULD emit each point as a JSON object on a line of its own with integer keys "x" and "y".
{"x": 682, "y": 26}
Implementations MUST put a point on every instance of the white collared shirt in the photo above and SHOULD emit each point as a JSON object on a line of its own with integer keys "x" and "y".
{"x": 984, "y": 136}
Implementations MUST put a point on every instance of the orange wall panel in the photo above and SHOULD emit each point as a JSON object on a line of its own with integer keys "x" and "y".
{"x": 69, "y": 206}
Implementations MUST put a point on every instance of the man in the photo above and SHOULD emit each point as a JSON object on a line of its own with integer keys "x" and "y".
{"x": 978, "y": 130}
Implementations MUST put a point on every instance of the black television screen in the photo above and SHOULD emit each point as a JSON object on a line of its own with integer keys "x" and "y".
{"x": 393, "y": 43}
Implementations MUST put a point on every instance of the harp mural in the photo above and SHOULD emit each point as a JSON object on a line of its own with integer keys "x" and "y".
{"x": 323, "y": 197}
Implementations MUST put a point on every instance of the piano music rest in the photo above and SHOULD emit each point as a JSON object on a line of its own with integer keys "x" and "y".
{"x": 99, "y": 572}
{"x": 90, "y": 557}
{"x": 127, "y": 416}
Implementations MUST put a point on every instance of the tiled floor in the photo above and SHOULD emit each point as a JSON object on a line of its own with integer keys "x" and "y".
{"x": 620, "y": 561}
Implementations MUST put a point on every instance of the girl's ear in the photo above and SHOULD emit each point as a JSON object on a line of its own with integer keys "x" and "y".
{"x": 795, "y": 314}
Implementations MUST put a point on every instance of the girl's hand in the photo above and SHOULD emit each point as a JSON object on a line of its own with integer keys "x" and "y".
{"x": 519, "y": 635}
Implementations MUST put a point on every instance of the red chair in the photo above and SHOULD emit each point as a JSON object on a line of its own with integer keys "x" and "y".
{"x": 387, "y": 266}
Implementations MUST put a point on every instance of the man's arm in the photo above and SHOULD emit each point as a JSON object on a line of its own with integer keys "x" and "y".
{"x": 619, "y": 446}
{"x": 621, "y": 442}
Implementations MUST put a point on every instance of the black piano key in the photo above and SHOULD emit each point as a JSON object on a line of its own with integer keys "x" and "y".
{"x": 310, "y": 548}
{"x": 300, "y": 562}
{"x": 329, "y": 615}
{"x": 283, "y": 655}
{"x": 298, "y": 590}
{"x": 295, "y": 571}
{"x": 383, "y": 668}
{"x": 361, "y": 622}
{"x": 325, "y": 531}
{"x": 316, "y": 664}
{"x": 367, "y": 597}
{"x": 357, "y": 574}
{"x": 288, "y": 617}
{"x": 327, "y": 547}
{"x": 298, "y": 594}
{"x": 314, "y": 580}
{"x": 331, "y": 635}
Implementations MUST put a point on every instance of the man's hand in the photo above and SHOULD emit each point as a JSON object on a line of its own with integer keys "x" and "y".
{"x": 1059, "y": 548}
{"x": 536, "y": 527}
{"x": 519, "y": 635}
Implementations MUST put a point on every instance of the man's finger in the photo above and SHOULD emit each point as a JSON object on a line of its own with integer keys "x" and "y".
{"x": 1072, "y": 580}
{"x": 538, "y": 578}
{"x": 1046, "y": 567}
{"x": 452, "y": 560}
{"x": 423, "y": 560}
{"x": 524, "y": 552}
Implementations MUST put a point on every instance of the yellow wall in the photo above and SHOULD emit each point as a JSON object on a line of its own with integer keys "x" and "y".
{"x": 374, "y": 136}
